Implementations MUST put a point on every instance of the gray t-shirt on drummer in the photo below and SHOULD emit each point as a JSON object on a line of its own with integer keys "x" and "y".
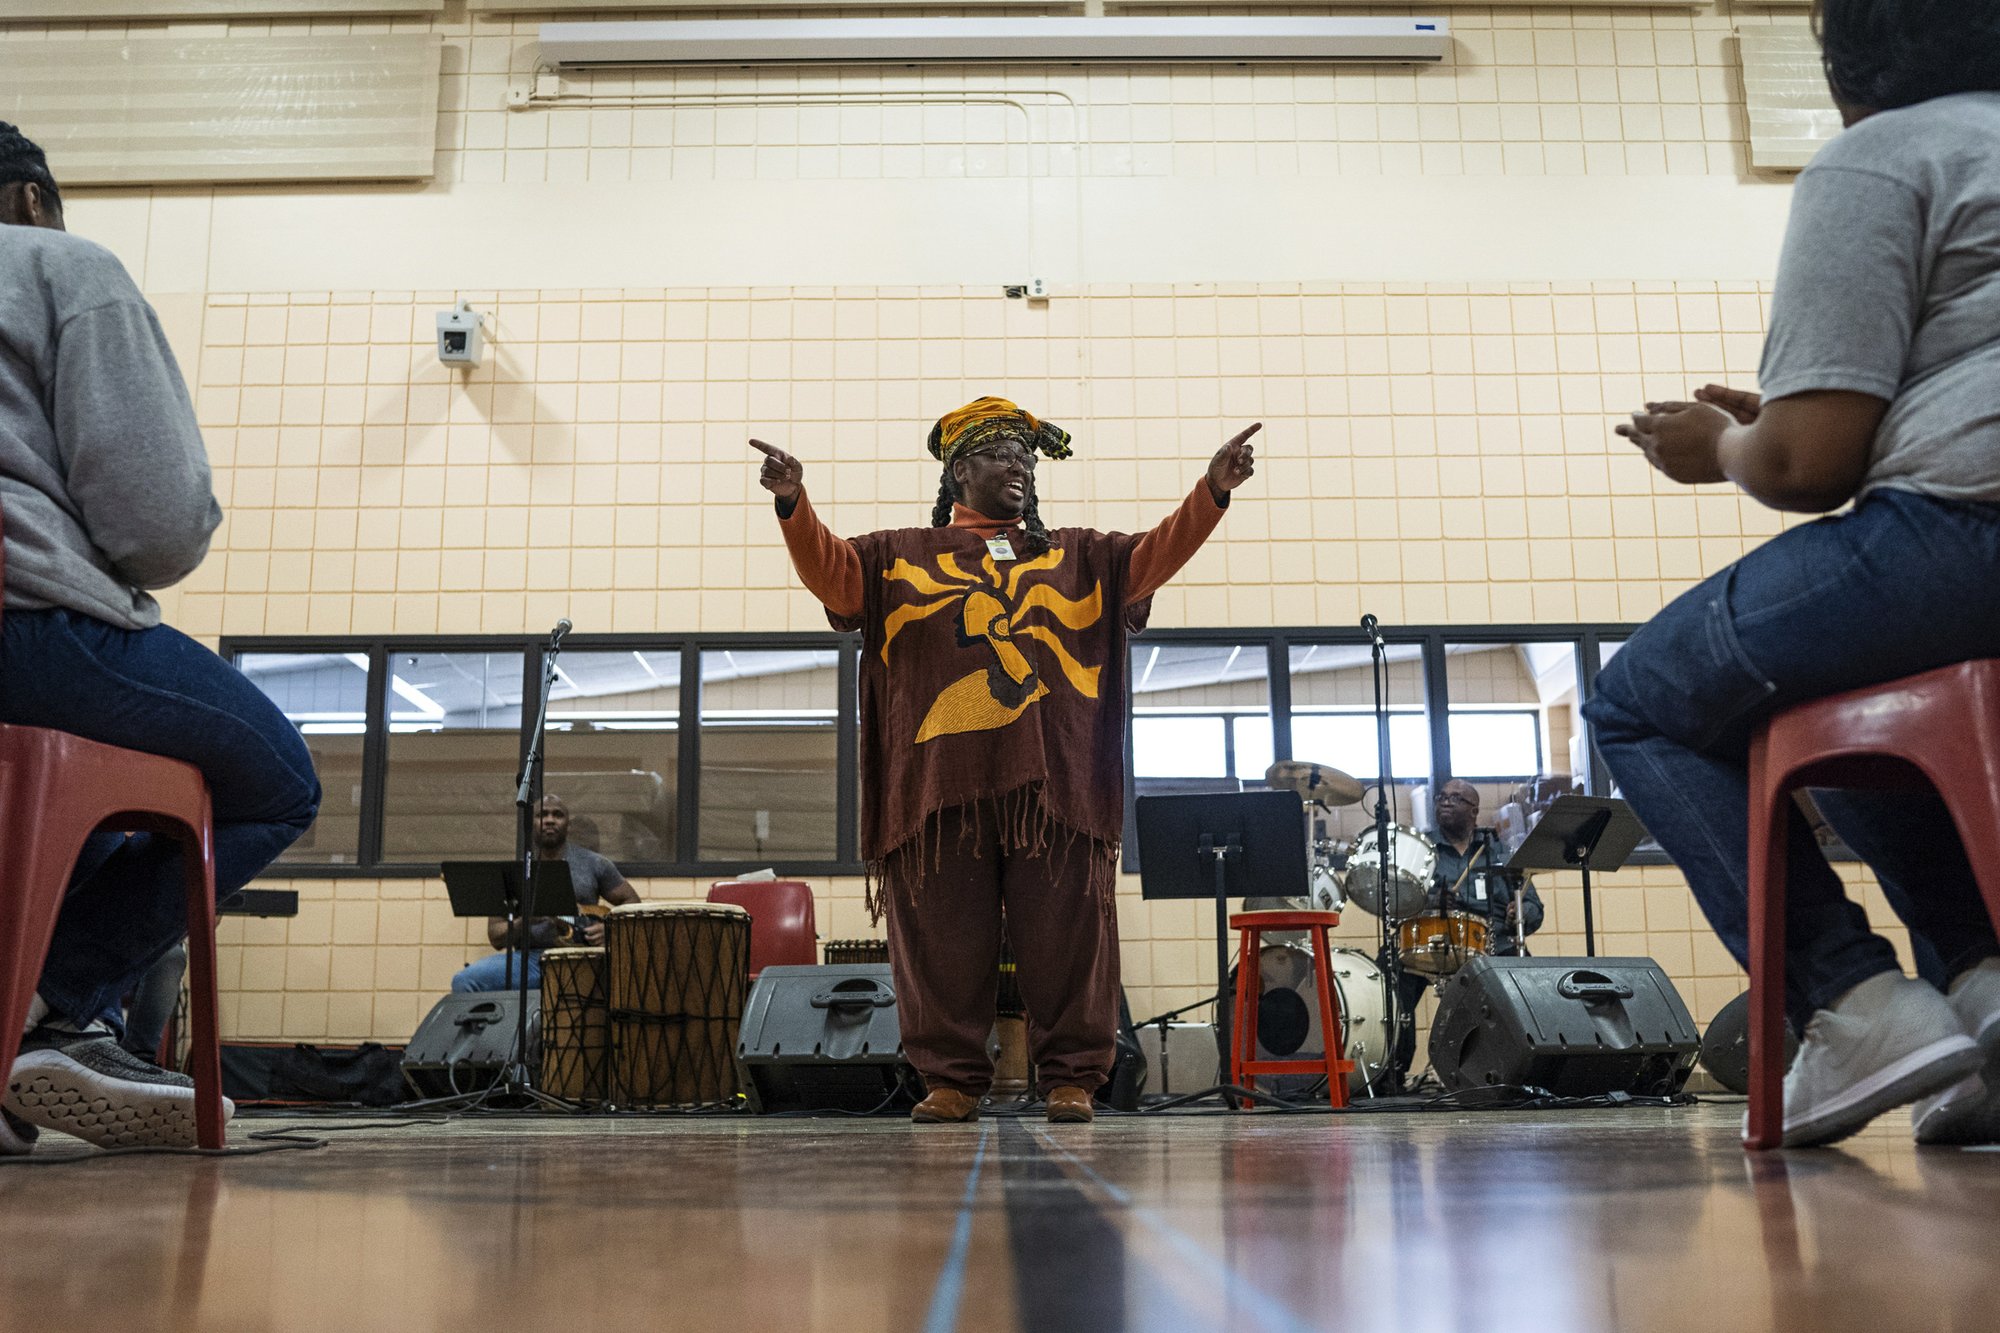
{"x": 1890, "y": 286}
{"x": 590, "y": 874}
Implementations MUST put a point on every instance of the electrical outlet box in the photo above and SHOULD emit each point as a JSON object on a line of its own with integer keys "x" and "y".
{"x": 461, "y": 336}
{"x": 1038, "y": 289}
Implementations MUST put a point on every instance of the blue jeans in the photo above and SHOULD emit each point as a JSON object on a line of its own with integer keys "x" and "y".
{"x": 490, "y": 973}
{"x": 160, "y": 692}
{"x": 1900, "y": 585}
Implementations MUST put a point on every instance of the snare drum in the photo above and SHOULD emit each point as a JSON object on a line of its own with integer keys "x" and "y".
{"x": 1413, "y": 858}
{"x": 1437, "y": 944}
{"x": 1288, "y": 1025}
{"x": 678, "y": 975}
{"x": 576, "y": 1025}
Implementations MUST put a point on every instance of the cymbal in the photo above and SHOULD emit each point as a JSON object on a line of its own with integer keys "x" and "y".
{"x": 1316, "y": 782}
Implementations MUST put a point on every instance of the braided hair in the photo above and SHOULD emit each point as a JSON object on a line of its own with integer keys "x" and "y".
{"x": 22, "y": 162}
{"x": 1035, "y": 539}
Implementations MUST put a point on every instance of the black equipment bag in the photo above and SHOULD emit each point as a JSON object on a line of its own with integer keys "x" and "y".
{"x": 1577, "y": 1027}
{"x": 824, "y": 1038}
{"x": 465, "y": 1040}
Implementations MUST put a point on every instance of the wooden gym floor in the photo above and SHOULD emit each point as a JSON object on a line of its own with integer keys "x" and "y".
{"x": 1551, "y": 1222}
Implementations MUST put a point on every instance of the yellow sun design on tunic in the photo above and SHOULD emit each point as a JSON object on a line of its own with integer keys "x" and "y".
{"x": 993, "y": 611}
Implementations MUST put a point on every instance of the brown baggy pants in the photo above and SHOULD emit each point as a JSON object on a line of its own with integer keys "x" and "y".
{"x": 943, "y": 895}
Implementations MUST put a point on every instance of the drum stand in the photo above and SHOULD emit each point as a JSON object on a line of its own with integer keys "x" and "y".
{"x": 1388, "y": 922}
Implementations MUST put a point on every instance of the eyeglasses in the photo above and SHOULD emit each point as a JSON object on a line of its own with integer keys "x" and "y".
{"x": 1005, "y": 455}
{"x": 1457, "y": 798}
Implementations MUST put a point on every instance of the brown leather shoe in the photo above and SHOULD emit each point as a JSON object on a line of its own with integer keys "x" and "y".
{"x": 1070, "y": 1105}
{"x": 945, "y": 1106}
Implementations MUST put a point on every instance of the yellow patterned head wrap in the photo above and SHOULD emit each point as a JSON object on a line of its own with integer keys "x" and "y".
{"x": 984, "y": 419}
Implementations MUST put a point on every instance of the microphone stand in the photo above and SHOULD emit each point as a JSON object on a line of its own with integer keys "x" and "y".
{"x": 1391, "y": 952}
{"x": 518, "y": 1081}
{"x": 515, "y": 1080}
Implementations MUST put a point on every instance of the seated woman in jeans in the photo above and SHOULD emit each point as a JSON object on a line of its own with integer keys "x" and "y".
{"x": 1881, "y": 385}
{"x": 104, "y": 493}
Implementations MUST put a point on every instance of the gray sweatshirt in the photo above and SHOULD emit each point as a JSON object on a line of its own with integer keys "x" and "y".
{"x": 104, "y": 485}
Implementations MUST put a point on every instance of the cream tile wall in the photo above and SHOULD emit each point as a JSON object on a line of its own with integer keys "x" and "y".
{"x": 1437, "y": 288}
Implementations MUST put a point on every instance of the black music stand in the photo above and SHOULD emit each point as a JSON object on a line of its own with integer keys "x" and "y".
{"x": 1585, "y": 832}
{"x": 493, "y": 888}
{"x": 1222, "y": 845}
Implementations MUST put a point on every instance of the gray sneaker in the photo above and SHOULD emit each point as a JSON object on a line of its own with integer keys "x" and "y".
{"x": 1884, "y": 1044}
{"x": 84, "y": 1083}
{"x": 1969, "y": 1110}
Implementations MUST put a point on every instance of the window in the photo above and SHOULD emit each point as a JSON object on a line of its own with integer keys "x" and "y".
{"x": 1201, "y": 716}
{"x": 612, "y": 750}
{"x": 702, "y": 755}
{"x": 769, "y": 755}
{"x": 1333, "y": 722}
{"x": 325, "y": 695}
{"x": 454, "y": 752}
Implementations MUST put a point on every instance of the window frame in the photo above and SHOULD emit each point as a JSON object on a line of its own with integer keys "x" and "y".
{"x": 1432, "y": 641}
{"x": 1277, "y": 643}
{"x": 685, "y": 864}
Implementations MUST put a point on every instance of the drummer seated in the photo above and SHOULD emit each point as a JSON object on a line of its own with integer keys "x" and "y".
{"x": 1462, "y": 852}
{"x": 597, "y": 881}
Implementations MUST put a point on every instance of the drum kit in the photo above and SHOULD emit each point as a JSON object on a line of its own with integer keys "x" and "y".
{"x": 1430, "y": 938}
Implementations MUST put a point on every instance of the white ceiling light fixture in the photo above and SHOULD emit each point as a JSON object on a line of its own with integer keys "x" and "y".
{"x": 957, "y": 41}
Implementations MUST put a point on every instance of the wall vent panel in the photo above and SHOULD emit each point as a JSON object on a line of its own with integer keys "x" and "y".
{"x": 1784, "y": 90}
{"x": 216, "y": 109}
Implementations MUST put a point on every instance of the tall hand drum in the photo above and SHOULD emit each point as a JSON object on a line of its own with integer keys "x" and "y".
{"x": 679, "y": 974}
{"x": 576, "y": 1025}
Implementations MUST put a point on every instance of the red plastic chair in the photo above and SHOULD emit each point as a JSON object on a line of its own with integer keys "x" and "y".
{"x": 1244, "y": 1066}
{"x": 55, "y": 791}
{"x": 781, "y": 920}
{"x": 1940, "y": 729}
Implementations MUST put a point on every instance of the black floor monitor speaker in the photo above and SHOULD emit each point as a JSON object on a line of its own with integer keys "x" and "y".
{"x": 824, "y": 1039}
{"x": 1725, "y": 1047}
{"x": 1578, "y": 1027}
{"x": 464, "y": 1042}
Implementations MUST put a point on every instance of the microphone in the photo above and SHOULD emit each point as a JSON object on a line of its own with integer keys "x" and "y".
{"x": 556, "y": 635}
{"x": 1372, "y": 628}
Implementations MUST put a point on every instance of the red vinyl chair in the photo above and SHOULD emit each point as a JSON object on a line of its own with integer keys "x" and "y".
{"x": 55, "y": 791}
{"x": 1940, "y": 729}
{"x": 781, "y": 920}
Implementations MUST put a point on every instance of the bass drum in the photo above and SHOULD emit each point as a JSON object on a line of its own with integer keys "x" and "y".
{"x": 1288, "y": 1026}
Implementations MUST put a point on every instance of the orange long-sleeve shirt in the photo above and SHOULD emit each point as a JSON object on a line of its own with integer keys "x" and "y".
{"x": 831, "y": 569}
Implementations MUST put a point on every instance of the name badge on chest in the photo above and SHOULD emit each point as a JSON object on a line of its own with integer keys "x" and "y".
{"x": 1000, "y": 548}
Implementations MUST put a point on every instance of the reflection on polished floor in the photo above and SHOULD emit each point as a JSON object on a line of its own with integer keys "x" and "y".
{"x": 1632, "y": 1219}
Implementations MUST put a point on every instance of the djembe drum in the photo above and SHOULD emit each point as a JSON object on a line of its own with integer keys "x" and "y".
{"x": 679, "y": 974}
{"x": 576, "y": 1025}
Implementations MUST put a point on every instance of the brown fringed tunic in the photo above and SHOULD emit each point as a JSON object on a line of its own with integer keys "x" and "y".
{"x": 986, "y": 679}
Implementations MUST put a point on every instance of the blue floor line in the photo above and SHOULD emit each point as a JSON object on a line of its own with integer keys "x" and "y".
{"x": 950, "y": 1290}
{"x": 1236, "y": 1289}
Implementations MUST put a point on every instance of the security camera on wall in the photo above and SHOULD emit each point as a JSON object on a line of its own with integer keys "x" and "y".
{"x": 461, "y": 337}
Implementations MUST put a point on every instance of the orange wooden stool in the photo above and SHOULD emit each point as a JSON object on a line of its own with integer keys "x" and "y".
{"x": 1940, "y": 729}
{"x": 1244, "y": 1066}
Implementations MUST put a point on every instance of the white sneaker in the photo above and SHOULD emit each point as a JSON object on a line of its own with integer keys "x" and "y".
{"x": 1969, "y": 1110}
{"x": 1886, "y": 1043}
{"x": 85, "y": 1084}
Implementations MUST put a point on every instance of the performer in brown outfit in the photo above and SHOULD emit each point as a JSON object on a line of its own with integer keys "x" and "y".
{"x": 993, "y": 678}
